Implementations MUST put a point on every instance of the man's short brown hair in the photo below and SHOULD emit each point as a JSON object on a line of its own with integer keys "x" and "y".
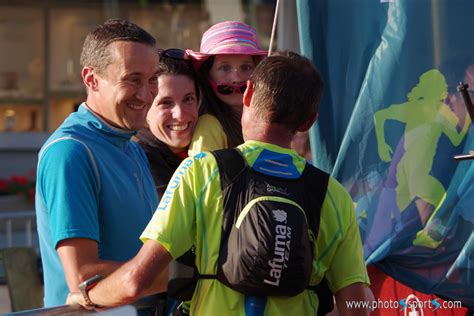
{"x": 95, "y": 51}
{"x": 287, "y": 89}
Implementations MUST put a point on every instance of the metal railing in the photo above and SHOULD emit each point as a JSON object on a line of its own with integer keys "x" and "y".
{"x": 17, "y": 229}
{"x": 12, "y": 222}
{"x": 76, "y": 310}
{"x": 151, "y": 304}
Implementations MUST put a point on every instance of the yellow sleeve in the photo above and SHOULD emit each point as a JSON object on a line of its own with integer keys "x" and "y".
{"x": 173, "y": 223}
{"x": 208, "y": 135}
{"x": 342, "y": 250}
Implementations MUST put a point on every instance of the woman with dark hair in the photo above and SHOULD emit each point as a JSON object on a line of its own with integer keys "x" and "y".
{"x": 171, "y": 119}
{"x": 228, "y": 56}
{"x": 170, "y": 124}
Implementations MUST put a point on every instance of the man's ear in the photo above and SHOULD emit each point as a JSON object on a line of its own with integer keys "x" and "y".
{"x": 89, "y": 78}
{"x": 307, "y": 125}
{"x": 248, "y": 93}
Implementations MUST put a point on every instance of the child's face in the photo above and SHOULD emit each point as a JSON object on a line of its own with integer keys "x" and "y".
{"x": 231, "y": 71}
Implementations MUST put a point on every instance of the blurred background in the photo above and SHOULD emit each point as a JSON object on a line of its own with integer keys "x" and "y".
{"x": 40, "y": 77}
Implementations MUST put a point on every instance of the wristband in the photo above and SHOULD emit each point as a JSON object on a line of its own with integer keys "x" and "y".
{"x": 85, "y": 287}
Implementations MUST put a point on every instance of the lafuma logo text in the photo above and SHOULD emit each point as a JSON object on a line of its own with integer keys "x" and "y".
{"x": 281, "y": 250}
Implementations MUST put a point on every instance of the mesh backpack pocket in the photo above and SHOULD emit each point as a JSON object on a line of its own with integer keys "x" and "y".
{"x": 270, "y": 249}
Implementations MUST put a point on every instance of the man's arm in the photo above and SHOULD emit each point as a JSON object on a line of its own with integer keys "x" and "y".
{"x": 72, "y": 217}
{"x": 80, "y": 260}
{"x": 145, "y": 274}
{"x": 356, "y": 292}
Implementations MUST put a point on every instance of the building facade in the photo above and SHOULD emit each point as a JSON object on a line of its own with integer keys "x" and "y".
{"x": 40, "y": 45}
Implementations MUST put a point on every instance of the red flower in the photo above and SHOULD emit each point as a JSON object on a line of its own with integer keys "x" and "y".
{"x": 21, "y": 180}
{"x": 18, "y": 185}
{"x": 3, "y": 185}
{"x": 31, "y": 194}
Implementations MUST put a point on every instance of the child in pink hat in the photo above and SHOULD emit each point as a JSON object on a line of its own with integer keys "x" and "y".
{"x": 228, "y": 55}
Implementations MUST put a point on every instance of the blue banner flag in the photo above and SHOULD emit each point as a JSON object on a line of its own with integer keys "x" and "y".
{"x": 391, "y": 121}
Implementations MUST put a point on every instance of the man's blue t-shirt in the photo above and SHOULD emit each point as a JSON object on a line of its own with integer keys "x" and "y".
{"x": 92, "y": 182}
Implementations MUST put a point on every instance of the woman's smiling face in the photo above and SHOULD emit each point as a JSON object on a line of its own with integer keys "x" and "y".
{"x": 174, "y": 112}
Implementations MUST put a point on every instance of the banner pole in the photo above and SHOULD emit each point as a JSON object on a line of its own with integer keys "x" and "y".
{"x": 273, "y": 28}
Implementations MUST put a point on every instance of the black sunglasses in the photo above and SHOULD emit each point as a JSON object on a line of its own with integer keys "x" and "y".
{"x": 174, "y": 53}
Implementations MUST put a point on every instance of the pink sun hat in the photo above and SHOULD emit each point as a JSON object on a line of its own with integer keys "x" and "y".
{"x": 230, "y": 38}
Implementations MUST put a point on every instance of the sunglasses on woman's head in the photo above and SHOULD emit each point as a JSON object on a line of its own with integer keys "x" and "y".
{"x": 174, "y": 53}
{"x": 227, "y": 89}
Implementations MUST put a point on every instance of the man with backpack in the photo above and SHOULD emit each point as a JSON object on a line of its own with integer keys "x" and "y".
{"x": 267, "y": 227}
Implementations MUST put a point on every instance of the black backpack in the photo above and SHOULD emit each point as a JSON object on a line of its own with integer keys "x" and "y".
{"x": 269, "y": 227}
